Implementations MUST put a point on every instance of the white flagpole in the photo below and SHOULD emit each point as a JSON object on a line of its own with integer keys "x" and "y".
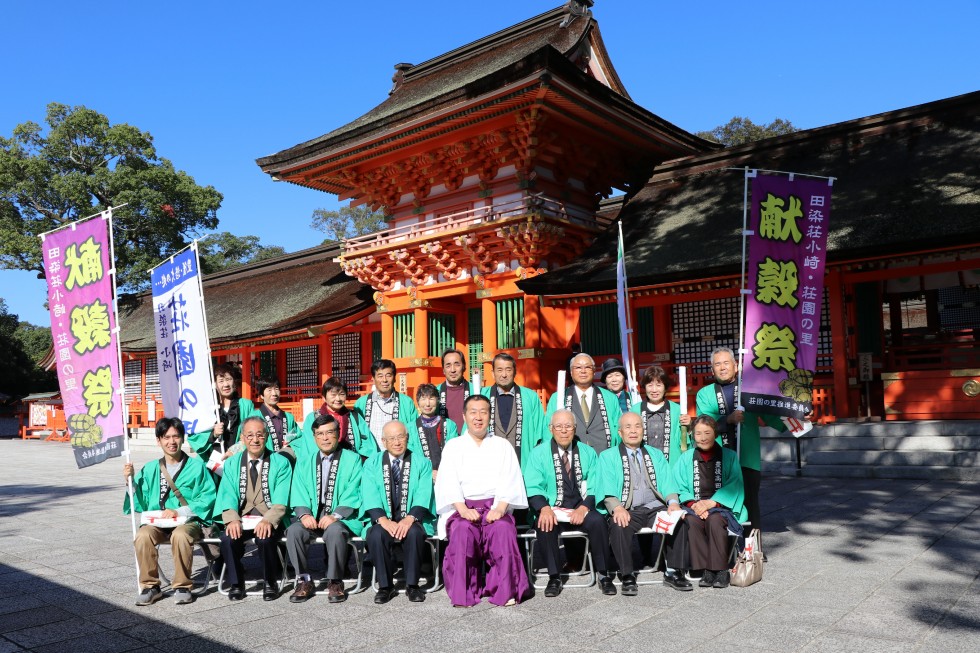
{"x": 622, "y": 294}
{"x": 749, "y": 174}
{"x": 121, "y": 390}
{"x": 204, "y": 312}
{"x": 682, "y": 389}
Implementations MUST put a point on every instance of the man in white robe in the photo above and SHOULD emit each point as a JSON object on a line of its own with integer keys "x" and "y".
{"x": 478, "y": 487}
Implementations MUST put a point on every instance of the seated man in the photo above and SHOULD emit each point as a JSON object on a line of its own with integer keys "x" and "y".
{"x": 709, "y": 481}
{"x": 562, "y": 474}
{"x": 636, "y": 484}
{"x": 279, "y": 423}
{"x": 434, "y": 429}
{"x": 255, "y": 482}
{"x": 479, "y": 483}
{"x": 396, "y": 497}
{"x": 325, "y": 498}
{"x": 180, "y": 486}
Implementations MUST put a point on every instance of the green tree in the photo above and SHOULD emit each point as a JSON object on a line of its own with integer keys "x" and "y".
{"x": 348, "y": 222}
{"x": 739, "y": 131}
{"x": 19, "y": 374}
{"x": 81, "y": 164}
{"x": 36, "y": 340}
{"x": 224, "y": 250}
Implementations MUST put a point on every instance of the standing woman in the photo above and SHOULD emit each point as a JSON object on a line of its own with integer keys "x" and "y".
{"x": 662, "y": 419}
{"x": 233, "y": 410}
{"x": 708, "y": 479}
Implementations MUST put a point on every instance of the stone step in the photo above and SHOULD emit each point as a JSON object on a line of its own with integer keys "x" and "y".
{"x": 890, "y": 443}
{"x": 891, "y": 429}
{"x": 901, "y": 458}
{"x": 894, "y": 471}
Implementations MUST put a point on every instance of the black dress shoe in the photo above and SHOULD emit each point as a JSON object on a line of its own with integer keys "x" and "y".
{"x": 384, "y": 595}
{"x": 678, "y": 582}
{"x": 271, "y": 592}
{"x": 707, "y": 578}
{"x": 236, "y": 593}
{"x": 607, "y": 586}
{"x": 629, "y": 586}
{"x": 415, "y": 594}
{"x": 553, "y": 589}
{"x": 722, "y": 580}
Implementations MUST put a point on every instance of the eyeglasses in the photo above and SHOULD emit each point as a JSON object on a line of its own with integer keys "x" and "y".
{"x": 583, "y": 367}
{"x": 562, "y": 427}
{"x": 395, "y": 438}
{"x": 254, "y": 437}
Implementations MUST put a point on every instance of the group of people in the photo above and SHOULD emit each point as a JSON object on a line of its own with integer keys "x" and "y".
{"x": 462, "y": 463}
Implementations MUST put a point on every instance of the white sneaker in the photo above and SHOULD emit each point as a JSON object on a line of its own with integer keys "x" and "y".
{"x": 183, "y": 597}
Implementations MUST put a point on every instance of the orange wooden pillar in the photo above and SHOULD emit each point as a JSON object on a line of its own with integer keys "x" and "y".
{"x": 387, "y": 340}
{"x": 324, "y": 366}
{"x": 247, "y": 372}
{"x": 489, "y": 314}
{"x": 838, "y": 336}
{"x": 532, "y": 341}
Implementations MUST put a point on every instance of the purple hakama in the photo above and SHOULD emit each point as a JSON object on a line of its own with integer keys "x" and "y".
{"x": 470, "y": 545}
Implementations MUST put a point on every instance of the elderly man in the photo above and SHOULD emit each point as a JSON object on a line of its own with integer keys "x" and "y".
{"x": 636, "y": 484}
{"x": 515, "y": 412}
{"x": 325, "y": 497}
{"x": 396, "y": 498}
{"x": 720, "y": 401}
{"x": 181, "y": 487}
{"x": 478, "y": 486}
{"x": 561, "y": 476}
{"x": 596, "y": 409}
{"x": 372, "y": 411}
{"x": 255, "y": 484}
{"x": 456, "y": 389}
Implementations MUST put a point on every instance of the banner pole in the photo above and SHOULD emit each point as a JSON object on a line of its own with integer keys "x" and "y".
{"x": 632, "y": 379}
{"x": 121, "y": 390}
{"x": 741, "y": 301}
{"x": 74, "y": 223}
{"x": 204, "y": 312}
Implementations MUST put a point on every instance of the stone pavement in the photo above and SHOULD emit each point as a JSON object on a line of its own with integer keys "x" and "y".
{"x": 855, "y": 565}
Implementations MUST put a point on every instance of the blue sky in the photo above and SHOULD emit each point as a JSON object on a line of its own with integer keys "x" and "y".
{"x": 220, "y": 84}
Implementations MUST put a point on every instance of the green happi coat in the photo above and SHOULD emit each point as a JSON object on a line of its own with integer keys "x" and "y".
{"x": 611, "y": 473}
{"x": 347, "y": 486}
{"x": 420, "y": 492}
{"x": 202, "y": 442}
{"x": 732, "y": 492}
{"x": 292, "y": 430}
{"x": 613, "y": 411}
{"x": 532, "y": 425}
{"x": 751, "y": 447}
{"x": 193, "y": 480}
{"x": 540, "y": 477}
{"x": 674, "y": 449}
{"x": 280, "y": 473}
{"x": 366, "y": 444}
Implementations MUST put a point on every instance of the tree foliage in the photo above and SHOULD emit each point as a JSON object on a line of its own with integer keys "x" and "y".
{"x": 80, "y": 165}
{"x": 224, "y": 250}
{"x": 19, "y": 373}
{"x": 348, "y": 222}
{"x": 739, "y": 131}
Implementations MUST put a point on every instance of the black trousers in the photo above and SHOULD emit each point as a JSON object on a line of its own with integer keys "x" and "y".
{"x": 594, "y": 525}
{"x": 707, "y": 541}
{"x": 232, "y": 549}
{"x": 621, "y": 539}
{"x": 380, "y": 551}
{"x": 752, "y": 479}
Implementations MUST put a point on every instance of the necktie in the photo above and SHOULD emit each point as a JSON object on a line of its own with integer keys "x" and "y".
{"x": 585, "y": 408}
{"x": 253, "y": 474}
{"x": 635, "y": 467}
{"x": 566, "y": 463}
{"x": 396, "y": 489}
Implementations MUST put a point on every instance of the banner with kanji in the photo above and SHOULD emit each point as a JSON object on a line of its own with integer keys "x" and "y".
{"x": 77, "y": 264}
{"x": 183, "y": 354}
{"x": 787, "y": 254}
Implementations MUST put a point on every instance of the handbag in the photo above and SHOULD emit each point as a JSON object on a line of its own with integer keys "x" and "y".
{"x": 748, "y": 565}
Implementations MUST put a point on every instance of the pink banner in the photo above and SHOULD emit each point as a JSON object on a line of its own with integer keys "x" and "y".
{"x": 77, "y": 261}
{"x": 787, "y": 254}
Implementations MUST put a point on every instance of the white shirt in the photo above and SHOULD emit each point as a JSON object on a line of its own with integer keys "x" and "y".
{"x": 468, "y": 470}
{"x": 579, "y": 393}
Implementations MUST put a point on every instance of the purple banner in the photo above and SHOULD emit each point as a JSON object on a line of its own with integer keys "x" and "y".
{"x": 787, "y": 254}
{"x": 77, "y": 263}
